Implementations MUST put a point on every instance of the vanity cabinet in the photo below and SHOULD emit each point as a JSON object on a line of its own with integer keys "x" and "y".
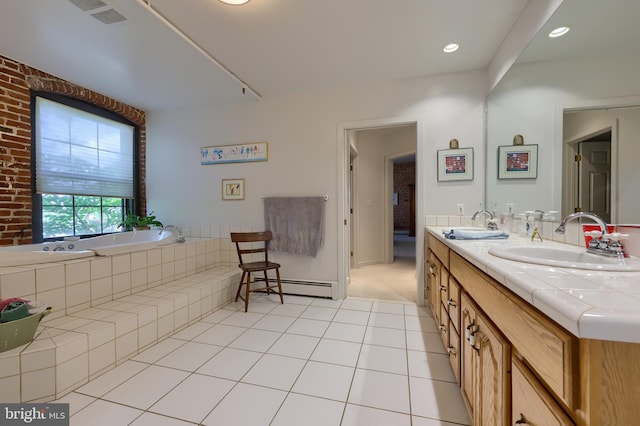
{"x": 517, "y": 366}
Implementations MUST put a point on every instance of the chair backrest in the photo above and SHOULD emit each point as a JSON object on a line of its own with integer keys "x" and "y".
{"x": 245, "y": 243}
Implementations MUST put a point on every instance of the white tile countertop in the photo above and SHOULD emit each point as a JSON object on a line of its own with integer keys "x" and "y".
{"x": 590, "y": 304}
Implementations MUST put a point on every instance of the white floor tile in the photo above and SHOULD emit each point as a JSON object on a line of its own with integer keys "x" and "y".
{"x": 437, "y": 400}
{"x": 343, "y": 331}
{"x": 388, "y": 308}
{"x": 382, "y": 358}
{"x": 419, "y": 311}
{"x": 386, "y": 320}
{"x": 255, "y": 340}
{"x": 144, "y": 389}
{"x": 357, "y": 305}
{"x": 193, "y": 398}
{"x": 190, "y": 356}
{"x": 230, "y": 363}
{"x": 319, "y": 313}
{"x": 327, "y": 303}
{"x": 294, "y": 345}
{"x": 233, "y": 410}
{"x": 429, "y": 342}
{"x": 152, "y": 419}
{"x": 109, "y": 380}
{"x": 308, "y": 411}
{"x": 220, "y": 335}
{"x": 289, "y": 310}
{"x": 76, "y": 401}
{"x": 422, "y": 421}
{"x": 308, "y": 327}
{"x": 430, "y": 365}
{"x": 298, "y": 300}
{"x": 242, "y": 319}
{"x": 155, "y": 352}
{"x": 351, "y": 316}
{"x": 192, "y": 331}
{"x": 105, "y": 413}
{"x": 382, "y": 390}
{"x": 424, "y": 324}
{"x": 324, "y": 380}
{"x": 217, "y": 316}
{"x": 274, "y": 323}
{"x": 337, "y": 352}
{"x": 275, "y": 371}
{"x": 385, "y": 337}
{"x": 356, "y": 415}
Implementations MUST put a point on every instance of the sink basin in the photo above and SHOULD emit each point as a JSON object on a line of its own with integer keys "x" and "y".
{"x": 562, "y": 258}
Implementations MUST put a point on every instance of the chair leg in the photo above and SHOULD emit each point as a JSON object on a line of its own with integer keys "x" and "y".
{"x": 246, "y": 298}
{"x": 266, "y": 282}
{"x": 240, "y": 285}
{"x": 279, "y": 285}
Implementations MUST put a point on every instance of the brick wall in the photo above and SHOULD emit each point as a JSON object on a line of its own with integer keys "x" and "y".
{"x": 16, "y": 80}
{"x": 403, "y": 175}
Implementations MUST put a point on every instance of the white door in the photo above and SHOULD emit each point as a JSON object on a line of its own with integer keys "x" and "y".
{"x": 594, "y": 178}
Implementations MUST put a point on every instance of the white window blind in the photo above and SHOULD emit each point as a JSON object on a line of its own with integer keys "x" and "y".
{"x": 79, "y": 153}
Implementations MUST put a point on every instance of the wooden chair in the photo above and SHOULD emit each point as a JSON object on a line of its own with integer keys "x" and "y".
{"x": 246, "y": 245}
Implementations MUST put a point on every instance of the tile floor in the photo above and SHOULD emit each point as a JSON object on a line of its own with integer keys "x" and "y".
{"x": 307, "y": 362}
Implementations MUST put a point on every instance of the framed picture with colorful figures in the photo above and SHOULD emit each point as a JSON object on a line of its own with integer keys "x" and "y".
{"x": 518, "y": 162}
{"x": 455, "y": 164}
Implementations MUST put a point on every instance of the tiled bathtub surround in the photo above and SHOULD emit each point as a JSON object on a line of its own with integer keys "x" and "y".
{"x": 107, "y": 309}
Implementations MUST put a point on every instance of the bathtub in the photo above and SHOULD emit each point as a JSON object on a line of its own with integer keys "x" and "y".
{"x": 75, "y": 248}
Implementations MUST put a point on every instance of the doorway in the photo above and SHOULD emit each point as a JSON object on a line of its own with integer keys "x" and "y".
{"x": 382, "y": 204}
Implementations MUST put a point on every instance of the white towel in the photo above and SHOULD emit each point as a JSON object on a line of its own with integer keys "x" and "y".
{"x": 457, "y": 234}
{"x": 297, "y": 224}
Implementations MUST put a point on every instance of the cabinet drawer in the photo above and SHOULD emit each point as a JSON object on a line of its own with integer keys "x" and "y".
{"x": 530, "y": 402}
{"x": 439, "y": 248}
{"x": 443, "y": 326}
{"x": 550, "y": 350}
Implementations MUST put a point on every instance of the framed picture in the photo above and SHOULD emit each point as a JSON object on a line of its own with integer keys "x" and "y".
{"x": 242, "y": 153}
{"x": 518, "y": 162}
{"x": 455, "y": 164}
{"x": 233, "y": 189}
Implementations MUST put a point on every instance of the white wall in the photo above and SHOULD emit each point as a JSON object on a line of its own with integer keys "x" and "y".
{"x": 530, "y": 101}
{"x": 304, "y": 153}
{"x": 374, "y": 147}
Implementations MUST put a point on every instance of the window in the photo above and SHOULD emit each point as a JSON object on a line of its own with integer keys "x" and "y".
{"x": 84, "y": 168}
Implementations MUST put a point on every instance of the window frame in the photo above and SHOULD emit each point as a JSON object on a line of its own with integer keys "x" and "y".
{"x": 36, "y": 199}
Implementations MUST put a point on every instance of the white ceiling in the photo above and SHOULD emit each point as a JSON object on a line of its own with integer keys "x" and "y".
{"x": 273, "y": 46}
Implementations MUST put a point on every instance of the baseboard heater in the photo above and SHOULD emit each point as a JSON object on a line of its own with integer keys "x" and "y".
{"x": 304, "y": 287}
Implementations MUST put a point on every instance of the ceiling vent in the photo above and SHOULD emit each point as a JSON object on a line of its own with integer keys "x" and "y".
{"x": 88, "y": 4}
{"x": 109, "y": 16}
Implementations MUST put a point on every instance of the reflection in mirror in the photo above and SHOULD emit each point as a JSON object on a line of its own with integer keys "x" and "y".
{"x": 564, "y": 94}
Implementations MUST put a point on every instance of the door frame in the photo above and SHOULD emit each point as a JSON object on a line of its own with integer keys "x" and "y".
{"x": 344, "y": 223}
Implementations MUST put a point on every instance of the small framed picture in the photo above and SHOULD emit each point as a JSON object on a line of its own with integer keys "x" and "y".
{"x": 455, "y": 164}
{"x": 518, "y": 162}
{"x": 233, "y": 189}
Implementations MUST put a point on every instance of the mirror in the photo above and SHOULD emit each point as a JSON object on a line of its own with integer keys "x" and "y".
{"x": 562, "y": 91}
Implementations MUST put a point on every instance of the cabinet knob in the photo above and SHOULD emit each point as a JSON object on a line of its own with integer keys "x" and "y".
{"x": 451, "y": 302}
{"x": 442, "y": 288}
{"x": 432, "y": 269}
{"x": 522, "y": 420}
{"x": 442, "y": 327}
{"x": 451, "y": 350}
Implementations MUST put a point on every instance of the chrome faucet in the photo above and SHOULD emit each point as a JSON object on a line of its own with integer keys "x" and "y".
{"x": 597, "y": 219}
{"x": 606, "y": 245}
{"x": 481, "y": 212}
{"x": 180, "y": 238}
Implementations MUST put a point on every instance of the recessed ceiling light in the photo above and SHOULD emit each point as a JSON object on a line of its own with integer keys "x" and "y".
{"x": 558, "y": 32}
{"x": 235, "y": 2}
{"x": 451, "y": 47}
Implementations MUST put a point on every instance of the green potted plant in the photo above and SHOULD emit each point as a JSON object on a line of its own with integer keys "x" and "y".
{"x": 134, "y": 221}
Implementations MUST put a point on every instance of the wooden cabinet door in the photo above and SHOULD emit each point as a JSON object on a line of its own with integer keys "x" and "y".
{"x": 492, "y": 405}
{"x": 468, "y": 323}
{"x": 485, "y": 367}
{"x": 531, "y": 404}
{"x": 434, "y": 266}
